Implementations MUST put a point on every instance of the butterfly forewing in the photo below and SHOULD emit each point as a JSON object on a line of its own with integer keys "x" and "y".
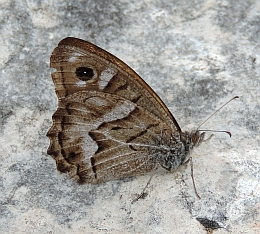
{"x": 110, "y": 75}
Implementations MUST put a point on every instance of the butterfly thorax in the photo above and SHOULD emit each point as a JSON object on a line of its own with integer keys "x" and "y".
{"x": 181, "y": 147}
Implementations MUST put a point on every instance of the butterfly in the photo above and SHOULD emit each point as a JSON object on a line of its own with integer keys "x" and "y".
{"x": 109, "y": 123}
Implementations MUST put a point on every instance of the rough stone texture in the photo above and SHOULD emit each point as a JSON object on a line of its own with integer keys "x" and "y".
{"x": 195, "y": 54}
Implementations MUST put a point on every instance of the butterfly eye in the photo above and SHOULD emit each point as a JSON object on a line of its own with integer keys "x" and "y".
{"x": 194, "y": 139}
{"x": 84, "y": 73}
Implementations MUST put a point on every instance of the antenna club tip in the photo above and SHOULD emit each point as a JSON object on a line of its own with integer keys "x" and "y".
{"x": 229, "y": 133}
{"x": 236, "y": 97}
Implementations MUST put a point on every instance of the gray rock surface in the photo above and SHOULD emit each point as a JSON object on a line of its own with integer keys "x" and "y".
{"x": 195, "y": 54}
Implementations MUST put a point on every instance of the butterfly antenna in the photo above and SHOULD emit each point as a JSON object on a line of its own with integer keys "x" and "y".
{"x": 214, "y": 114}
{"x": 190, "y": 159}
{"x": 208, "y": 130}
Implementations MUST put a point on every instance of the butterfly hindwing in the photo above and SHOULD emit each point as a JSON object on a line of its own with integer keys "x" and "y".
{"x": 96, "y": 134}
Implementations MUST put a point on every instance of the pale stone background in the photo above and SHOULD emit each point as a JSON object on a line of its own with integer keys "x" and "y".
{"x": 195, "y": 54}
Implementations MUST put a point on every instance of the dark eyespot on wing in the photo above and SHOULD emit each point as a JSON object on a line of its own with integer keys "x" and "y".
{"x": 84, "y": 73}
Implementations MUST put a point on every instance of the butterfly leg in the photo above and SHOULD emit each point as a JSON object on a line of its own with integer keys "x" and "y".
{"x": 192, "y": 177}
{"x": 208, "y": 138}
{"x": 143, "y": 194}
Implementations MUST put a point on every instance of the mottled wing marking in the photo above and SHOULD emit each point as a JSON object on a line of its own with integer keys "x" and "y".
{"x": 98, "y": 144}
{"x": 105, "y": 77}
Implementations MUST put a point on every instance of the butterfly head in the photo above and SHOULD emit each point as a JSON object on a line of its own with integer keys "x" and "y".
{"x": 196, "y": 137}
{"x": 193, "y": 138}
{"x": 190, "y": 140}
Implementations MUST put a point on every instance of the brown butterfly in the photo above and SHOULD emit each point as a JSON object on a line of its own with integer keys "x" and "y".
{"x": 110, "y": 124}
